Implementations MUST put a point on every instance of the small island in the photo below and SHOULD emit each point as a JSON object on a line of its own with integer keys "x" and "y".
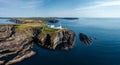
{"x": 18, "y": 39}
{"x": 68, "y": 18}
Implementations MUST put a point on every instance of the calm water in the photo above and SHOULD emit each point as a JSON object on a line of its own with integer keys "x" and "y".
{"x": 103, "y": 51}
{"x": 5, "y": 21}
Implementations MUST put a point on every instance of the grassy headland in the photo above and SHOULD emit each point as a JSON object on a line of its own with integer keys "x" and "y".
{"x": 33, "y": 23}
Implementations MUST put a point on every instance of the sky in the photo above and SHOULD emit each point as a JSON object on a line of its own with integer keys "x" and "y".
{"x": 60, "y": 8}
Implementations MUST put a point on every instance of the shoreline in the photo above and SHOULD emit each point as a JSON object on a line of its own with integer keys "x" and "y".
{"x": 18, "y": 39}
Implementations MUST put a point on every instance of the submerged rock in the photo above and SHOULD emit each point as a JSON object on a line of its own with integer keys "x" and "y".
{"x": 21, "y": 57}
{"x": 84, "y": 38}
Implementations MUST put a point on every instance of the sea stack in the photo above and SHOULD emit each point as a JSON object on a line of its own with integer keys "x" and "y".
{"x": 84, "y": 38}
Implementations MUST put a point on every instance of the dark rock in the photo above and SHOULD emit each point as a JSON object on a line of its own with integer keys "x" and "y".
{"x": 84, "y": 38}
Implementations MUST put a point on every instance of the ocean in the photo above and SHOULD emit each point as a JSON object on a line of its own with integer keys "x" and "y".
{"x": 5, "y": 21}
{"x": 104, "y": 50}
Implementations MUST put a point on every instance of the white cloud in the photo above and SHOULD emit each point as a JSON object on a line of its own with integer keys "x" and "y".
{"x": 100, "y": 9}
{"x": 31, "y": 4}
{"x": 100, "y": 4}
{"x": 20, "y": 4}
{"x": 20, "y": 7}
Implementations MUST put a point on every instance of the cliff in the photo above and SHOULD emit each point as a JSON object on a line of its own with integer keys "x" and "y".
{"x": 17, "y": 40}
{"x": 61, "y": 39}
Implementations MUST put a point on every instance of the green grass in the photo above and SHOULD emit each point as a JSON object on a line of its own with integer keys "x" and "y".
{"x": 35, "y": 23}
{"x": 46, "y": 30}
{"x": 19, "y": 27}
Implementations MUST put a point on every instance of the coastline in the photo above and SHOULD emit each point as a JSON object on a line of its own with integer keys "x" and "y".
{"x": 18, "y": 39}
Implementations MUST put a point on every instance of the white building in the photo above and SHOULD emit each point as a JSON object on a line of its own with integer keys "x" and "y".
{"x": 55, "y": 27}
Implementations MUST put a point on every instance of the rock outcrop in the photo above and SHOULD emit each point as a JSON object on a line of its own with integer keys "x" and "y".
{"x": 19, "y": 43}
{"x": 5, "y": 31}
{"x": 85, "y": 39}
{"x": 61, "y": 39}
{"x": 15, "y": 43}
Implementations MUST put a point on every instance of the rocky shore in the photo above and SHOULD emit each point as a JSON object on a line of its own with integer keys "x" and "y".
{"x": 17, "y": 41}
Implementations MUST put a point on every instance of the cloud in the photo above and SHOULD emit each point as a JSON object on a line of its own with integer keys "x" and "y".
{"x": 3, "y": 1}
{"x": 100, "y": 4}
{"x": 20, "y": 7}
{"x": 99, "y": 9}
{"x": 6, "y": 4}
{"x": 32, "y": 4}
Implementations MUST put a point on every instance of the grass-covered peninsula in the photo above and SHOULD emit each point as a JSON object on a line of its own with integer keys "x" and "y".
{"x": 17, "y": 40}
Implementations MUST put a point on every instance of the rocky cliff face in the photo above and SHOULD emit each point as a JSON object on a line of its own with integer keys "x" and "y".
{"x": 15, "y": 43}
{"x": 19, "y": 44}
{"x": 5, "y": 32}
{"x": 61, "y": 39}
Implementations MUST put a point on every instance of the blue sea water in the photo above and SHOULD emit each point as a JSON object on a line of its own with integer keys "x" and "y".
{"x": 105, "y": 50}
{"x": 5, "y": 21}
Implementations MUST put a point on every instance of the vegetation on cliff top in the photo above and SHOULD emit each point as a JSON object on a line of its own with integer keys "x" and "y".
{"x": 33, "y": 23}
{"x": 19, "y": 27}
{"x": 46, "y": 30}
{"x": 31, "y": 20}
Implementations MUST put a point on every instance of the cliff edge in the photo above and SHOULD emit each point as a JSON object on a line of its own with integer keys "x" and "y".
{"x": 18, "y": 40}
